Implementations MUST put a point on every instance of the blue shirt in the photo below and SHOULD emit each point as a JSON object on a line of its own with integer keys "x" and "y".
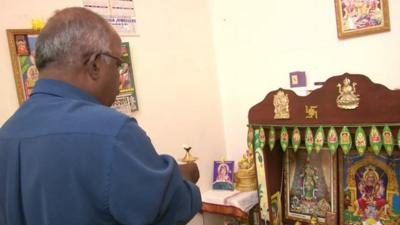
{"x": 65, "y": 159}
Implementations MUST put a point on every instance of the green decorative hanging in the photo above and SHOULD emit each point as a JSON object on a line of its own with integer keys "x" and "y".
{"x": 345, "y": 140}
{"x": 387, "y": 138}
{"x": 332, "y": 140}
{"x": 250, "y": 138}
{"x": 260, "y": 167}
{"x": 319, "y": 139}
{"x": 375, "y": 140}
{"x": 262, "y": 138}
{"x": 271, "y": 138}
{"x": 284, "y": 139}
{"x": 258, "y": 146}
{"x": 256, "y": 138}
{"x": 360, "y": 141}
{"x": 309, "y": 140}
{"x": 296, "y": 139}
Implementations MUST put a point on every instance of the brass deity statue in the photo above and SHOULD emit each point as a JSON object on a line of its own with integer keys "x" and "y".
{"x": 347, "y": 99}
{"x": 281, "y": 104}
{"x": 246, "y": 177}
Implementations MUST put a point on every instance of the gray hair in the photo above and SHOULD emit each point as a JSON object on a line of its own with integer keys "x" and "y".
{"x": 71, "y": 36}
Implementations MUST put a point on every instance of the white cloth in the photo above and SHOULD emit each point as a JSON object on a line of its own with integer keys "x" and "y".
{"x": 242, "y": 200}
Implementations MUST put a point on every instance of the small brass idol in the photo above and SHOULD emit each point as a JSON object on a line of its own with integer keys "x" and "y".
{"x": 281, "y": 104}
{"x": 347, "y": 99}
{"x": 246, "y": 177}
{"x": 188, "y": 157}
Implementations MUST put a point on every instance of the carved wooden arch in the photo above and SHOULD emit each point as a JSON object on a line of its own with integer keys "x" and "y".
{"x": 376, "y": 100}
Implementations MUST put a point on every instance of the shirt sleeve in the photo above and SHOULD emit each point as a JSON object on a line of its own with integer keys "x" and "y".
{"x": 147, "y": 188}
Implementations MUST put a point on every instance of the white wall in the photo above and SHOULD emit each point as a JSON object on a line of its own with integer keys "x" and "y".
{"x": 175, "y": 74}
{"x": 258, "y": 42}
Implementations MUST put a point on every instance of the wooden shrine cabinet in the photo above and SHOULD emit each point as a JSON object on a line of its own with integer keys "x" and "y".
{"x": 332, "y": 155}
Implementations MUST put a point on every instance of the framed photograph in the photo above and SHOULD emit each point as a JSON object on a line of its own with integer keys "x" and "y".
{"x": 223, "y": 175}
{"x": 310, "y": 185}
{"x": 361, "y": 17}
{"x": 369, "y": 188}
{"x": 21, "y": 43}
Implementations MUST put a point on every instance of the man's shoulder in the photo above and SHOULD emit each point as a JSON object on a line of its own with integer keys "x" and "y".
{"x": 101, "y": 119}
{"x": 100, "y": 111}
{"x": 65, "y": 117}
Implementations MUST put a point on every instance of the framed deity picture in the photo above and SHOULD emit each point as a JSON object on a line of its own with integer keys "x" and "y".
{"x": 126, "y": 102}
{"x": 369, "y": 188}
{"x": 22, "y": 51}
{"x": 361, "y": 17}
{"x": 223, "y": 175}
{"x": 310, "y": 184}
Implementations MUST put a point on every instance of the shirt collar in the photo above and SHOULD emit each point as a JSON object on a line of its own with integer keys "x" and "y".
{"x": 62, "y": 89}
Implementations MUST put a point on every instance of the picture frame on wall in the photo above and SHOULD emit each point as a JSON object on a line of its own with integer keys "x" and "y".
{"x": 310, "y": 184}
{"x": 297, "y": 79}
{"x": 21, "y": 44}
{"x": 361, "y": 17}
{"x": 22, "y": 51}
{"x": 126, "y": 101}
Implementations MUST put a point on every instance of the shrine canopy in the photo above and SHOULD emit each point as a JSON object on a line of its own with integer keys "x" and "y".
{"x": 349, "y": 110}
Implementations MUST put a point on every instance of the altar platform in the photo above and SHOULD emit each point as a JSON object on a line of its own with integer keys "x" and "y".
{"x": 238, "y": 205}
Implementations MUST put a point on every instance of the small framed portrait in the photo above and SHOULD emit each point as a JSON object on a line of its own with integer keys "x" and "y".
{"x": 361, "y": 17}
{"x": 223, "y": 175}
{"x": 297, "y": 79}
{"x": 22, "y": 51}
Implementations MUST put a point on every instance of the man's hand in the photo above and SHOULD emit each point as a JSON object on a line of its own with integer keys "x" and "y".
{"x": 190, "y": 171}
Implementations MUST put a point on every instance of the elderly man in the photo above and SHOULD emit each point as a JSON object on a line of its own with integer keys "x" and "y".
{"x": 66, "y": 158}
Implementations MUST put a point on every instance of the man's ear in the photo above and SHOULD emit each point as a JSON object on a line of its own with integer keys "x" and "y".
{"x": 93, "y": 67}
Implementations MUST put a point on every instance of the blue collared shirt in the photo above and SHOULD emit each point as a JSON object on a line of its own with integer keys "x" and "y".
{"x": 65, "y": 159}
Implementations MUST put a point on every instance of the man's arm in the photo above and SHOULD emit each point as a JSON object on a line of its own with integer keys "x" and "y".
{"x": 147, "y": 188}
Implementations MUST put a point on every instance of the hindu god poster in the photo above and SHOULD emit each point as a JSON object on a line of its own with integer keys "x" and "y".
{"x": 310, "y": 184}
{"x": 370, "y": 192}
